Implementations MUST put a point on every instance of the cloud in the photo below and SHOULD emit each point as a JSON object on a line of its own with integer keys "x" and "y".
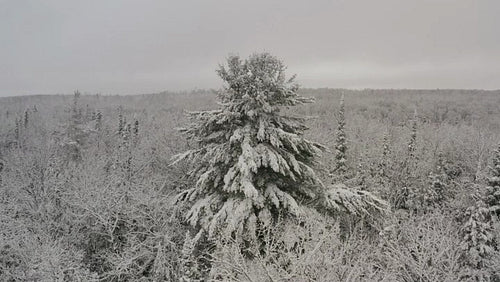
{"x": 127, "y": 46}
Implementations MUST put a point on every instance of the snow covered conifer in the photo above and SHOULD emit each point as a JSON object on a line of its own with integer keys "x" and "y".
{"x": 383, "y": 164}
{"x": 413, "y": 137}
{"x": 17, "y": 130}
{"x": 408, "y": 196}
{"x": 340, "y": 142}
{"x": 493, "y": 188}
{"x": 98, "y": 121}
{"x": 76, "y": 130}
{"x": 26, "y": 119}
{"x": 434, "y": 195}
{"x": 253, "y": 165}
{"x": 121, "y": 121}
{"x": 477, "y": 243}
{"x": 136, "y": 128}
{"x": 190, "y": 270}
{"x": 253, "y": 161}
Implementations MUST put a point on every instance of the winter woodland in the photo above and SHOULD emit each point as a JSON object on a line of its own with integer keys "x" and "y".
{"x": 260, "y": 180}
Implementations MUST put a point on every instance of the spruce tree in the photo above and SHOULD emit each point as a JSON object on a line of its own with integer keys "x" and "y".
{"x": 434, "y": 195}
{"x": 17, "y": 131}
{"x": 98, "y": 121}
{"x": 75, "y": 129}
{"x": 121, "y": 121}
{"x": 75, "y": 110}
{"x": 136, "y": 128}
{"x": 477, "y": 243}
{"x": 408, "y": 196}
{"x": 412, "y": 144}
{"x": 340, "y": 142}
{"x": 1, "y": 169}
{"x": 384, "y": 160}
{"x": 253, "y": 163}
{"x": 26, "y": 119}
{"x": 386, "y": 151}
{"x": 190, "y": 270}
{"x": 493, "y": 188}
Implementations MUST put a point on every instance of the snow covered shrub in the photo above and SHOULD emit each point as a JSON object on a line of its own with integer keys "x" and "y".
{"x": 33, "y": 257}
{"x": 308, "y": 250}
{"x": 421, "y": 248}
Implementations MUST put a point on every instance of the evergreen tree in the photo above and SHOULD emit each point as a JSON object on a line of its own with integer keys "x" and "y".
{"x": 493, "y": 188}
{"x": 98, "y": 121}
{"x": 380, "y": 169}
{"x": 1, "y": 169}
{"x": 434, "y": 195}
{"x": 136, "y": 131}
{"x": 121, "y": 121}
{"x": 253, "y": 162}
{"x": 190, "y": 270}
{"x": 17, "y": 131}
{"x": 408, "y": 195}
{"x": 136, "y": 128}
{"x": 75, "y": 130}
{"x": 386, "y": 151}
{"x": 340, "y": 142}
{"x": 477, "y": 243}
{"x": 381, "y": 166}
{"x": 75, "y": 109}
{"x": 26, "y": 119}
{"x": 412, "y": 144}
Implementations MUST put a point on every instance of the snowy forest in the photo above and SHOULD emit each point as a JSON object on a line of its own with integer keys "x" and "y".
{"x": 260, "y": 180}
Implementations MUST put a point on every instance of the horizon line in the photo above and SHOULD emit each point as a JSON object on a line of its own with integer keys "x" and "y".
{"x": 193, "y": 90}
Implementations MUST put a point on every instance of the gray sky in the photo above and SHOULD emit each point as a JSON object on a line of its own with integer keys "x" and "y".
{"x": 133, "y": 47}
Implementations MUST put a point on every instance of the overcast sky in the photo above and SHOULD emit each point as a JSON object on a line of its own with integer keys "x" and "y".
{"x": 133, "y": 47}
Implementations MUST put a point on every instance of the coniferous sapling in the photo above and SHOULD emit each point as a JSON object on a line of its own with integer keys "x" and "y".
{"x": 75, "y": 131}
{"x": 407, "y": 196}
{"x": 477, "y": 243}
{"x": 98, "y": 121}
{"x": 434, "y": 195}
{"x": 493, "y": 188}
{"x": 384, "y": 159}
{"x": 412, "y": 144}
{"x": 17, "y": 130}
{"x": 26, "y": 119}
{"x": 121, "y": 121}
{"x": 1, "y": 169}
{"x": 340, "y": 142}
{"x": 136, "y": 128}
